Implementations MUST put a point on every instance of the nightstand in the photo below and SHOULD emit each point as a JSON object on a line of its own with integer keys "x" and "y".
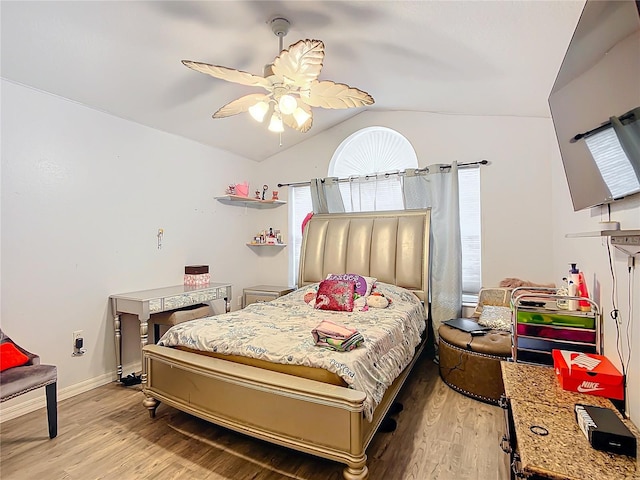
{"x": 263, "y": 293}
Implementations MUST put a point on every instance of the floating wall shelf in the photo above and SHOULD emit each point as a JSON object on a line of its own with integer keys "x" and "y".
{"x": 249, "y": 202}
{"x": 604, "y": 233}
{"x": 266, "y": 244}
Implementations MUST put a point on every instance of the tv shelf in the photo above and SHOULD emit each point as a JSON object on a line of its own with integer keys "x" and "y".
{"x": 604, "y": 233}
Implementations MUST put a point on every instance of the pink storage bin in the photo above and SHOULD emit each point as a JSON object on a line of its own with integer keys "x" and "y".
{"x": 574, "y": 335}
{"x": 197, "y": 280}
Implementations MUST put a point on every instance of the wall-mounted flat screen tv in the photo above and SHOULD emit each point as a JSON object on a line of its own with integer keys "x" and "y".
{"x": 595, "y": 104}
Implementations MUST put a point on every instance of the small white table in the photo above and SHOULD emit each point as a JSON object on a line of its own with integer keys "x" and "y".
{"x": 147, "y": 302}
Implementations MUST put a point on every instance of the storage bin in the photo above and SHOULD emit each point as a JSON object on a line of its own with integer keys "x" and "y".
{"x": 197, "y": 280}
{"x": 570, "y": 334}
{"x": 540, "y": 318}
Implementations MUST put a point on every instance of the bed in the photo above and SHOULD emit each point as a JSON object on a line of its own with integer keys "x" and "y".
{"x": 309, "y": 413}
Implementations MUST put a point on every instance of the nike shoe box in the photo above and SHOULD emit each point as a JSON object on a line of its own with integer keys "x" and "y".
{"x": 588, "y": 373}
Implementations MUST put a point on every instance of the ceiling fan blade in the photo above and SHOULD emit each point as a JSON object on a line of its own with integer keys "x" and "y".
{"x": 291, "y": 122}
{"x": 228, "y": 74}
{"x": 240, "y": 105}
{"x": 328, "y": 94}
{"x": 300, "y": 63}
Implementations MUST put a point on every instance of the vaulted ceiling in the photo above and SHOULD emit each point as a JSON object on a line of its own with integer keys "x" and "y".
{"x": 123, "y": 57}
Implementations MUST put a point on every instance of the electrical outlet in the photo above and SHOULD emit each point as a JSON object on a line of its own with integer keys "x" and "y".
{"x": 78, "y": 337}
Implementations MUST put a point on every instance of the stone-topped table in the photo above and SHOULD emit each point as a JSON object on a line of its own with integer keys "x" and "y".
{"x": 537, "y": 400}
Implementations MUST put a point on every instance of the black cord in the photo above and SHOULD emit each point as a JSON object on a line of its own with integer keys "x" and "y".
{"x": 630, "y": 297}
{"x": 615, "y": 314}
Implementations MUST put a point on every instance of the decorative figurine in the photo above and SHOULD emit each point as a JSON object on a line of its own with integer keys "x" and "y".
{"x": 231, "y": 190}
{"x": 264, "y": 190}
{"x": 275, "y": 195}
{"x": 257, "y": 194}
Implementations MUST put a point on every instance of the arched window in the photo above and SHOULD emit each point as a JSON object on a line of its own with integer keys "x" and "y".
{"x": 372, "y": 150}
{"x": 364, "y": 157}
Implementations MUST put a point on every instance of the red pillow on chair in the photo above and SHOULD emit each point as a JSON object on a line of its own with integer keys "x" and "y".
{"x": 11, "y": 357}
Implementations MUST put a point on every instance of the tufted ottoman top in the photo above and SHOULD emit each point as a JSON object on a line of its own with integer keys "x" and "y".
{"x": 496, "y": 342}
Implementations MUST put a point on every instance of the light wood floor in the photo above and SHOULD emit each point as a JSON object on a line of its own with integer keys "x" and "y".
{"x": 107, "y": 434}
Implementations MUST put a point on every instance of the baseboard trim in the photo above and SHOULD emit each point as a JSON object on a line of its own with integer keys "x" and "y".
{"x": 28, "y": 406}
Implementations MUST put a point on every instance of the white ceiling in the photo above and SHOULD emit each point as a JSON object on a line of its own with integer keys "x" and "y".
{"x": 123, "y": 57}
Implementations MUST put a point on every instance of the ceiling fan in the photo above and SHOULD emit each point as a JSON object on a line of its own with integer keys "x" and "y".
{"x": 292, "y": 85}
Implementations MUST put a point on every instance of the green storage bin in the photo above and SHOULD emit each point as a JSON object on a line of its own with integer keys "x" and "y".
{"x": 576, "y": 321}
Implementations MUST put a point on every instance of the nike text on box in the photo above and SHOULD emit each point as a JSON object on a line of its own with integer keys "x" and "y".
{"x": 588, "y": 373}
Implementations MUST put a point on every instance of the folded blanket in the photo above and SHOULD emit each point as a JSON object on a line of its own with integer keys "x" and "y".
{"x": 337, "y": 337}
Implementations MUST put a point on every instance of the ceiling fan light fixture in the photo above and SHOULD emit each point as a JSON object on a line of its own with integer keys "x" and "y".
{"x": 275, "y": 125}
{"x": 301, "y": 116}
{"x": 291, "y": 82}
{"x": 259, "y": 110}
{"x": 287, "y": 104}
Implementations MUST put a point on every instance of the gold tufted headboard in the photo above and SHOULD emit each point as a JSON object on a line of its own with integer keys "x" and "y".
{"x": 392, "y": 246}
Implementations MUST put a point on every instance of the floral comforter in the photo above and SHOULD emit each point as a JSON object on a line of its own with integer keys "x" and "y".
{"x": 280, "y": 331}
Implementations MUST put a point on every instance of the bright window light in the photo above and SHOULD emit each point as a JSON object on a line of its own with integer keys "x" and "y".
{"x": 614, "y": 165}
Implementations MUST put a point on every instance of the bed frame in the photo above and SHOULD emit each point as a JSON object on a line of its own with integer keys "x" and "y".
{"x": 305, "y": 415}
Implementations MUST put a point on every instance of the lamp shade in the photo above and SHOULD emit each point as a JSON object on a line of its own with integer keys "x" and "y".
{"x": 287, "y": 104}
{"x": 301, "y": 116}
{"x": 275, "y": 125}
{"x": 259, "y": 110}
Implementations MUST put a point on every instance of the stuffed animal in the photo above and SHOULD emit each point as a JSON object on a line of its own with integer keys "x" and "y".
{"x": 310, "y": 298}
{"x": 377, "y": 300}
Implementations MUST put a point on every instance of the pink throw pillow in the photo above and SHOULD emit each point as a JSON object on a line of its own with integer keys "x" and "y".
{"x": 335, "y": 295}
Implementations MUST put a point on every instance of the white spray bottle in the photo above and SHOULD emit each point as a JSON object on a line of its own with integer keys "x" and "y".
{"x": 574, "y": 277}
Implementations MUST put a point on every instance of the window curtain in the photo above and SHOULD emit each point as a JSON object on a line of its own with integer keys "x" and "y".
{"x": 373, "y": 192}
{"x": 326, "y": 196}
{"x": 437, "y": 187}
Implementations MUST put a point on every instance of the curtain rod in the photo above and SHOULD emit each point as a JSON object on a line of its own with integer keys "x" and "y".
{"x": 627, "y": 116}
{"x": 425, "y": 169}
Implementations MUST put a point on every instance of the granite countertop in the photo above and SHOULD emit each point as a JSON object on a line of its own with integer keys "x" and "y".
{"x": 537, "y": 399}
{"x": 535, "y": 383}
{"x": 565, "y": 453}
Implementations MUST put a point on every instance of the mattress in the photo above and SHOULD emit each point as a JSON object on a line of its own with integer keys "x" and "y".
{"x": 279, "y": 332}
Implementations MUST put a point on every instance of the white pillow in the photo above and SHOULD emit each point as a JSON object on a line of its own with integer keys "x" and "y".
{"x": 498, "y": 318}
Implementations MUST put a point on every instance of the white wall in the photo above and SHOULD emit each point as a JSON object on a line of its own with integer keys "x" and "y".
{"x": 83, "y": 196}
{"x": 516, "y": 187}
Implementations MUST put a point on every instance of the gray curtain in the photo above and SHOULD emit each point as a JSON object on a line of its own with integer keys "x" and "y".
{"x": 326, "y": 196}
{"x": 438, "y": 188}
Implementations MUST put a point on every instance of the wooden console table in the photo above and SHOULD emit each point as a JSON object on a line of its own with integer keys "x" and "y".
{"x": 535, "y": 402}
{"x": 147, "y": 302}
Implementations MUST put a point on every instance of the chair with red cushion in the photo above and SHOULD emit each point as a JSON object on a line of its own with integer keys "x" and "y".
{"x": 21, "y": 372}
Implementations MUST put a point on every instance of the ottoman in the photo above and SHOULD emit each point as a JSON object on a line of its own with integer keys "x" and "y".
{"x": 174, "y": 317}
{"x": 471, "y": 364}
